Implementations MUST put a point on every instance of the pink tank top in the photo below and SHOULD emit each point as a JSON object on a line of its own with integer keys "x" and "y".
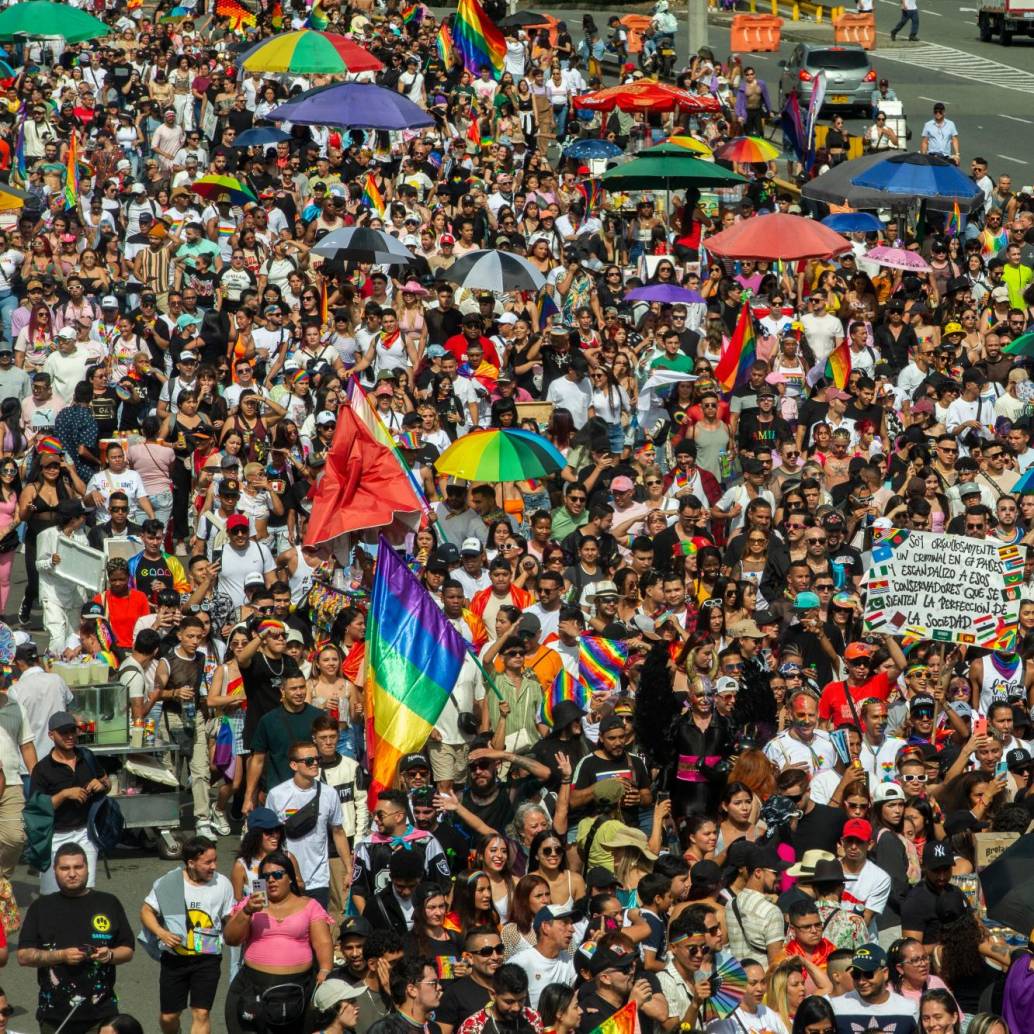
{"x": 272, "y": 943}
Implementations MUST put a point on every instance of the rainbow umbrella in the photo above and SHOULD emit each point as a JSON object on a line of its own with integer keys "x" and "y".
{"x": 691, "y": 144}
{"x": 500, "y": 455}
{"x": 748, "y": 149}
{"x": 308, "y": 52}
{"x": 211, "y": 188}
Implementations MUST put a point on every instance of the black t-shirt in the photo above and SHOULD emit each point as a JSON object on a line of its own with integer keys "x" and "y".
{"x": 809, "y": 413}
{"x": 455, "y": 845}
{"x": 461, "y": 998}
{"x": 497, "y": 814}
{"x": 104, "y": 408}
{"x": 262, "y": 682}
{"x": 919, "y": 911}
{"x": 55, "y": 921}
{"x": 596, "y": 1009}
{"x": 820, "y": 829}
{"x": 757, "y": 436}
{"x": 51, "y": 777}
{"x": 150, "y": 571}
{"x": 593, "y": 769}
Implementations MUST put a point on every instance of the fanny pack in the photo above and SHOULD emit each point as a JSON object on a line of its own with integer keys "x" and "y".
{"x": 303, "y": 821}
{"x": 278, "y": 1006}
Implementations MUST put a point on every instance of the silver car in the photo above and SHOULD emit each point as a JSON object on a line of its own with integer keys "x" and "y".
{"x": 850, "y": 77}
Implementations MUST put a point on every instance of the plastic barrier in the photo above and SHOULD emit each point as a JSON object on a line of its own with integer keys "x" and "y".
{"x": 755, "y": 33}
{"x": 635, "y": 25}
{"x": 855, "y": 28}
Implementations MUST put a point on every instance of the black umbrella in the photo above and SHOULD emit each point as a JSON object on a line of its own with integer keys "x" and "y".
{"x": 362, "y": 244}
{"x": 523, "y": 20}
{"x": 498, "y": 271}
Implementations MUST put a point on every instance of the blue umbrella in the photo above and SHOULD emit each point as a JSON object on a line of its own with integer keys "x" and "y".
{"x": 261, "y": 136}
{"x": 589, "y": 148}
{"x": 352, "y": 105}
{"x": 853, "y": 222}
{"x": 918, "y": 175}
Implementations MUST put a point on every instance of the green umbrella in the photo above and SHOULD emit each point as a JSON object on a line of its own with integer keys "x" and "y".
{"x": 669, "y": 172}
{"x": 43, "y": 18}
{"x": 1023, "y": 345}
{"x": 668, "y": 149}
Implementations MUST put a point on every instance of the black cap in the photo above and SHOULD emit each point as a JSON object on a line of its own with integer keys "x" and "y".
{"x": 447, "y": 553}
{"x": 60, "y": 720}
{"x": 566, "y": 712}
{"x": 355, "y": 926}
{"x": 938, "y": 854}
{"x": 1015, "y": 759}
{"x": 612, "y": 721}
{"x": 413, "y": 761}
{"x": 921, "y": 700}
{"x": 764, "y": 856}
{"x": 705, "y": 873}
{"x": 608, "y": 958}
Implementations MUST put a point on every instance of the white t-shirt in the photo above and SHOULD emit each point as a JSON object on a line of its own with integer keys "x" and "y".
{"x": 764, "y": 1021}
{"x": 468, "y": 689}
{"x": 236, "y": 566}
{"x": 785, "y": 750}
{"x": 542, "y": 971}
{"x": 898, "y": 1006}
{"x": 824, "y": 333}
{"x": 311, "y": 850}
{"x": 106, "y": 481}
{"x": 869, "y": 889}
{"x": 208, "y": 906}
{"x": 573, "y": 396}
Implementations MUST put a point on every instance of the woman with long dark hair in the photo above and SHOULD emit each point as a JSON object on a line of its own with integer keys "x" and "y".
{"x": 814, "y": 1016}
{"x": 429, "y": 936}
{"x": 547, "y": 856}
{"x": 472, "y": 902}
{"x": 530, "y": 894}
{"x": 559, "y": 1009}
{"x": 939, "y": 1013}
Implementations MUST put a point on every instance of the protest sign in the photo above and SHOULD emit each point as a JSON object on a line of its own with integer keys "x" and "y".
{"x": 948, "y": 588}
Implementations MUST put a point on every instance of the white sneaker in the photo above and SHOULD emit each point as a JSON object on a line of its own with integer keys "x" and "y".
{"x": 205, "y": 829}
{"x": 219, "y": 823}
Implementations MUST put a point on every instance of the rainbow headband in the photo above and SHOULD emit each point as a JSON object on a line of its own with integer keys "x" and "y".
{"x": 50, "y": 445}
{"x": 300, "y": 376}
{"x": 271, "y": 625}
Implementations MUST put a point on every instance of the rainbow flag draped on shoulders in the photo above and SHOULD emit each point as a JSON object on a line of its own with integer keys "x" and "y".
{"x": 601, "y": 662}
{"x": 414, "y": 656}
{"x": 838, "y": 365}
{"x": 478, "y": 39}
{"x": 739, "y": 354}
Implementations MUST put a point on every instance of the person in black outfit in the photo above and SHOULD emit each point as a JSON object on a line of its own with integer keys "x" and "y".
{"x": 698, "y": 768}
{"x": 611, "y": 760}
{"x": 483, "y": 950}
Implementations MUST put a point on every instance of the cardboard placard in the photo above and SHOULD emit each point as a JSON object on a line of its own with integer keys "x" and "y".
{"x": 538, "y": 411}
{"x": 988, "y": 846}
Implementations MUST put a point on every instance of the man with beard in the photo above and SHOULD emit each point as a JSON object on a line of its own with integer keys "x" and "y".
{"x": 465, "y": 996}
{"x": 611, "y": 760}
{"x": 507, "y": 1012}
{"x": 427, "y": 817}
{"x": 369, "y": 955}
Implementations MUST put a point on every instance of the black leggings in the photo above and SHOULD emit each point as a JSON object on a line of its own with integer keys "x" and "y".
{"x": 181, "y": 497}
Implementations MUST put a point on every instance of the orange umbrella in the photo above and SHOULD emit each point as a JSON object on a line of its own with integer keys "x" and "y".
{"x": 777, "y": 236}
{"x": 647, "y": 95}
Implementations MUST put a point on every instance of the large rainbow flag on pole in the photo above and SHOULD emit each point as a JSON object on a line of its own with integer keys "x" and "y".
{"x": 601, "y": 662}
{"x": 72, "y": 173}
{"x": 443, "y": 44}
{"x": 414, "y": 656}
{"x": 740, "y": 353}
{"x": 477, "y": 39}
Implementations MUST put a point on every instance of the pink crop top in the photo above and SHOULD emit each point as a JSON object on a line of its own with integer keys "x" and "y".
{"x": 272, "y": 943}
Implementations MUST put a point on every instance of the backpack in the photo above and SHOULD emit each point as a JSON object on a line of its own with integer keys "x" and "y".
{"x": 105, "y": 822}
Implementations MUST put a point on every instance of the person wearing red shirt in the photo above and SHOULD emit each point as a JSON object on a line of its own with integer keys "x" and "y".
{"x": 473, "y": 326}
{"x": 834, "y": 709}
{"x": 123, "y": 606}
{"x": 487, "y": 602}
{"x": 807, "y": 941}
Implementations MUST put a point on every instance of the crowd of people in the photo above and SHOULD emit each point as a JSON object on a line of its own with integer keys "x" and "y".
{"x": 768, "y": 806}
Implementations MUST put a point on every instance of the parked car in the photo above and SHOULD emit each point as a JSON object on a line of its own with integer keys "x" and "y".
{"x": 850, "y": 77}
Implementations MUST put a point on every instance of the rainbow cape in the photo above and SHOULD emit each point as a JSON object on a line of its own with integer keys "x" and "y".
{"x": 601, "y": 662}
{"x": 413, "y": 657}
{"x": 372, "y": 197}
{"x": 478, "y": 39}
{"x": 838, "y": 365}
{"x": 739, "y": 354}
{"x": 317, "y": 18}
{"x": 565, "y": 687}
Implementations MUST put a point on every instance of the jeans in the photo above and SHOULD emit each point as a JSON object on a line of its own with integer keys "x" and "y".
{"x": 906, "y": 17}
{"x": 560, "y": 116}
{"x": 8, "y": 303}
{"x": 162, "y": 505}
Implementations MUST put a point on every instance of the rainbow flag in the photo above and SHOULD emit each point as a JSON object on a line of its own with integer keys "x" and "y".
{"x": 954, "y": 227}
{"x": 740, "y": 353}
{"x": 838, "y": 365}
{"x": 413, "y": 14}
{"x": 443, "y": 44}
{"x": 413, "y": 657}
{"x": 545, "y": 308}
{"x": 276, "y": 16}
{"x": 49, "y": 445}
{"x": 565, "y": 687}
{"x": 237, "y": 14}
{"x": 72, "y": 173}
{"x": 478, "y": 39}
{"x": 624, "y": 1021}
{"x": 592, "y": 191}
{"x": 474, "y": 132}
{"x": 317, "y": 19}
{"x": 372, "y": 197}
{"x": 680, "y": 481}
{"x": 407, "y": 440}
{"x": 600, "y": 662}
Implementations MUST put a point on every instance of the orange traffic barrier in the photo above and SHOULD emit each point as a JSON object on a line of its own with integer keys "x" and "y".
{"x": 635, "y": 25}
{"x": 755, "y": 33}
{"x": 855, "y": 28}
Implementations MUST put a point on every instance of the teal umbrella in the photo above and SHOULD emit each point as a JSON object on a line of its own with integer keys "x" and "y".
{"x": 1023, "y": 345}
{"x": 43, "y": 18}
{"x": 669, "y": 172}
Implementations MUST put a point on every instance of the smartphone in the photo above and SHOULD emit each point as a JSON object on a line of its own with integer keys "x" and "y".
{"x": 980, "y": 727}
{"x": 258, "y": 886}
{"x": 1001, "y": 769}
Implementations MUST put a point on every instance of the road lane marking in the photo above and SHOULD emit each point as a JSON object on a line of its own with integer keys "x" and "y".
{"x": 935, "y": 57}
{"x": 1009, "y": 158}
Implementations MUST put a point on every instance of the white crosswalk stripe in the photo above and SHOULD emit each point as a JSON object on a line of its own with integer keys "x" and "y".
{"x": 951, "y": 61}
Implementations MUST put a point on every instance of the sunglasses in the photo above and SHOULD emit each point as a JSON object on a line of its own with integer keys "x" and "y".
{"x": 489, "y": 950}
{"x": 310, "y": 760}
{"x": 274, "y": 874}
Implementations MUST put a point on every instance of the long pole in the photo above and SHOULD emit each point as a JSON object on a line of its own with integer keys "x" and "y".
{"x": 696, "y": 24}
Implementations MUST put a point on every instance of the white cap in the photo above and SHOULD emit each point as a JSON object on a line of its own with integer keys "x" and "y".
{"x": 123, "y": 163}
{"x": 726, "y": 685}
{"x": 254, "y": 578}
{"x": 68, "y": 333}
{"x": 508, "y": 319}
{"x": 137, "y": 188}
{"x": 109, "y": 301}
{"x": 325, "y": 418}
{"x": 471, "y": 546}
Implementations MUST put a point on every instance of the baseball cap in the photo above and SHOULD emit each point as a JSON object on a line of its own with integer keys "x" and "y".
{"x": 325, "y": 418}
{"x": 607, "y": 958}
{"x": 764, "y": 857}
{"x": 446, "y": 238}
{"x": 856, "y": 651}
{"x": 961, "y": 708}
{"x": 970, "y": 488}
{"x": 938, "y": 854}
{"x": 549, "y": 913}
{"x": 68, "y": 333}
{"x": 333, "y": 992}
{"x": 263, "y": 818}
{"x": 599, "y": 876}
{"x": 355, "y": 926}
{"x": 109, "y": 301}
{"x": 1017, "y": 759}
{"x": 61, "y": 720}
{"x": 236, "y": 520}
{"x": 921, "y": 700}
{"x": 726, "y": 685}
{"x": 471, "y": 547}
{"x": 869, "y": 958}
{"x": 413, "y": 761}
{"x": 888, "y": 792}
{"x": 229, "y": 486}
{"x": 253, "y": 578}
{"x": 857, "y": 829}
{"x": 1000, "y": 294}
{"x": 622, "y": 484}
{"x": 447, "y": 553}
{"x": 952, "y": 328}
{"x": 805, "y": 601}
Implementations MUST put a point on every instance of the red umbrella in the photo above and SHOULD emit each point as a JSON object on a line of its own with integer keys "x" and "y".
{"x": 647, "y": 95}
{"x": 777, "y": 236}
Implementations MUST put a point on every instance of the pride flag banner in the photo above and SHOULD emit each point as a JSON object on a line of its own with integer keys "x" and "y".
{"x": 444, "y": 45}
{"x": 565, "y": 687}
{"x": 477, "y": 39}
{"x": 624, "y": 1021}
{"x": 601, "y": 662}
{"x": 838, "y": 365}
{"x": 72, "y": 173}
{"x": 372, "y": 197}
{"x": 740, "y": 353}
{"x": 414, "y": 656}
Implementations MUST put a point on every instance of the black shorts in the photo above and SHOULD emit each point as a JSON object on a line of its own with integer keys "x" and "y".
{"x": 188, "y": 979}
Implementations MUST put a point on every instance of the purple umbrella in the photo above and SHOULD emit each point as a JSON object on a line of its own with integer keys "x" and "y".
{"x": 664, "y": 293}
{"x": 352, "y": 105}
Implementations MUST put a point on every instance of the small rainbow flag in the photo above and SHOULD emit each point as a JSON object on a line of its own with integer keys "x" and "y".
{"x": 237, "y": 14}
{"x": 478, "y": 39}
{"x": 372, "y": 197}
{"x": 72, "y": 173}
{"x": 108, "y": 657}
{"x": 740, "y": 353}
{"x": 565, "y": 687}
{"x": 413, "y": 14}
{"x": 838, "y": 365}
{"x": 601, "y": 662}
{"x": 407, "y": 440}
{"x": 49, "y": 445}
{"x": 624, "y": 1021}
{"x": 317, "y": 18}
{"x": 592, "y": 191}
{"x": 276, "y": 16}
{"x": 685, "y": 548}
{"x": 954, "y": 227}
{"x": 474, "y": 132}
{"x": 443, "y": 44}
{"x": 680, "y": 481}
